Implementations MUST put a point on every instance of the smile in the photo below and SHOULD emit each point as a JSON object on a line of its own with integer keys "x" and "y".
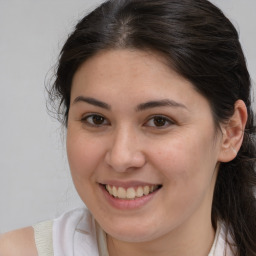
{"x": 131, "y": 192}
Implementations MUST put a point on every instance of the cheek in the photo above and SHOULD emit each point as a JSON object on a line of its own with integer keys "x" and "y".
{"x": 83, "y": 154}
{"x": 188, "y": 167}
{"x": 186, "y": 160}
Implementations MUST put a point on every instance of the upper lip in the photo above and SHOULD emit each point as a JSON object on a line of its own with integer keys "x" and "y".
{"x": 128, "y": 184}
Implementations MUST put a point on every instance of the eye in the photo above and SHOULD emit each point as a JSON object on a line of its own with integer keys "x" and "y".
{"x": 159, "y": 122}
{"x": 95, "y": 120}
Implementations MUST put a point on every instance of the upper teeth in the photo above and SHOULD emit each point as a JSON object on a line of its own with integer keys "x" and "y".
{"x": 130, "y": 193}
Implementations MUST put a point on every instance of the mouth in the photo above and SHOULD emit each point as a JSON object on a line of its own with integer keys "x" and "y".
{"x": 131, "y": 193}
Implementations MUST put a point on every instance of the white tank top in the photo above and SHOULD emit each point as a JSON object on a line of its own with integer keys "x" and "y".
{"x": 76, "y": 233}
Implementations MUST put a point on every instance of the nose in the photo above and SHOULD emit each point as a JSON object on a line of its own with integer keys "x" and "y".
{"x": 125, "y": 151}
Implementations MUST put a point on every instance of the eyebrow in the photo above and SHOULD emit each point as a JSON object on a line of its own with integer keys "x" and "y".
{"x": 159, "y": 103}
{"x": 140, "y": 107}
{"x": 92, "y": 101}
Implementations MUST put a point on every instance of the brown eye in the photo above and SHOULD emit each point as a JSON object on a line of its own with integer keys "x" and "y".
{"x": 159, "y": 122}
{"x": 98, "y": 120}
{"x": 95, "y": 120}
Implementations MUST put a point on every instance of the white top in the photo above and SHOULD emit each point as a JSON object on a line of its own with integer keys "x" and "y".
{"x": 76, "y": 233}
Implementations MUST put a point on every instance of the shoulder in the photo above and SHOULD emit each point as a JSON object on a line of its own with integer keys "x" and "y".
{"x": 18, "y": 243}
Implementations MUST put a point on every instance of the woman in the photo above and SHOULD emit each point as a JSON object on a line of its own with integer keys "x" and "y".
{"x": 155, "y": 96}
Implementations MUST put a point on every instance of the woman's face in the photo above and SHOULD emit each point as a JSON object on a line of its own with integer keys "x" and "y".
{"x": 142, "y": 146}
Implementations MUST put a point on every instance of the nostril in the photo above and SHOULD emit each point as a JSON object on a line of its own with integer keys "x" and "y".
{"x": 124, "y": 160}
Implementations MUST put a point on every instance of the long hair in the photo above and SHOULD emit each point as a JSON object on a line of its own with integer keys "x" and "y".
{"x": 203, "y": 46}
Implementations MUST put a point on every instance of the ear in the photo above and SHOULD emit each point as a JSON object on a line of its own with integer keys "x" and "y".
{"x": 233, "y": 133}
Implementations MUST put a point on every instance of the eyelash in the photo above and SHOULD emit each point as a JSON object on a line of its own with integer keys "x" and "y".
{"x": 86, "y": 118}
{"x": 91, "y": 118}
{"x": 167, "y": 121}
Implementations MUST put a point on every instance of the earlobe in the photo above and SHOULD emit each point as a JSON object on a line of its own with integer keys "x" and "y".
{"x": 233, "y": 133}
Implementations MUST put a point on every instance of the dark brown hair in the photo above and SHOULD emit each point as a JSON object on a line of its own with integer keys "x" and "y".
{"x": 202, "y": 45}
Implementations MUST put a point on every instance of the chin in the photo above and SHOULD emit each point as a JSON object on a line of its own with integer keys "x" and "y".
{"x": 132, "y": 234}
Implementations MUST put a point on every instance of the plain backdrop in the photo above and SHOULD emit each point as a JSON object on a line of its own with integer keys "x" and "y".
{"x": 35, "y": 183}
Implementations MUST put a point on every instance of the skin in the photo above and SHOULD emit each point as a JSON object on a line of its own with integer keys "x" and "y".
{"x": 126, "y": 146}
{"x": 18, "y": 243}
{"x": 129, "y": 145}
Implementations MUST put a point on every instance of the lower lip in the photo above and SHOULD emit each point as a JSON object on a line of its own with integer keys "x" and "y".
{"x": 127, "y": 204}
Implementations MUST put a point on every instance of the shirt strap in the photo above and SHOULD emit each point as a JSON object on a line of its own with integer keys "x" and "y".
{"x": 43, "y": 238}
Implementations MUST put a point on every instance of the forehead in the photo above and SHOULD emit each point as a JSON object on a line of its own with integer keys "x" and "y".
{"x": 115, "y": 63}
{"x": 132, "y": 74}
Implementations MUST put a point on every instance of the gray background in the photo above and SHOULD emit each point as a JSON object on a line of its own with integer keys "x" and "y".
{"x": 34, "y": 178}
